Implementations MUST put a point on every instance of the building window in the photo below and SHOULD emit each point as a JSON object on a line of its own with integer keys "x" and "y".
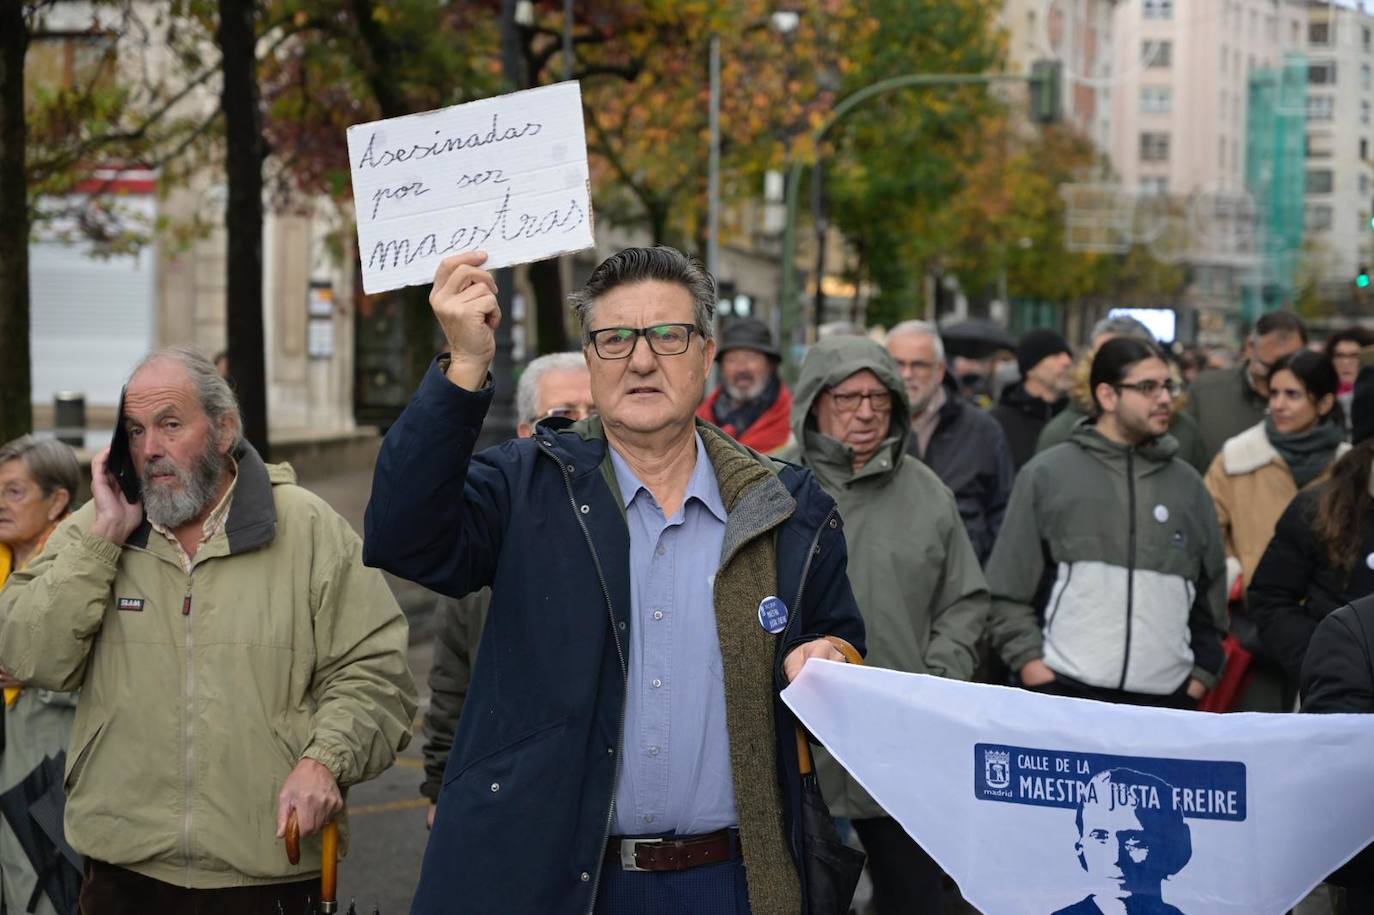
{"x": 1366, "y": 40}
{"x": 1317, "y": 217}
{"x": 1319, "y": 34}
{"x": 1322, "y": 74}
{"x": 1364, "y": 111}
{"x": 1364, "y": 150}
{"x": 1318, "y": 146}
{"x": 1366, "y": 77}
{"x": 1319, "y": 181}
{"x": 1159, "y": 9}
{"x": 1157, "y": 54}
{"x": 1364, "y": 184}
{"x": 1320, "y": 107}
{"x": 1154, "y": 146}
{"x": 1156, "y": 99}
{"x": 1154, "y": 185}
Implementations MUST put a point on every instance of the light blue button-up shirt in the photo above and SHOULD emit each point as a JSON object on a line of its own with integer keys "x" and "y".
{"x": 675, "y": 775}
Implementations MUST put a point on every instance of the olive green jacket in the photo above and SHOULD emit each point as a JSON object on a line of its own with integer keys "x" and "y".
{"x": 202, "y": 691}
{"x": 913, "y": 570}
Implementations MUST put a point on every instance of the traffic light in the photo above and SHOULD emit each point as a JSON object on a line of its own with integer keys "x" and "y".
{"x": 1046, "y": 88}
{"x": 1362, "y": 278}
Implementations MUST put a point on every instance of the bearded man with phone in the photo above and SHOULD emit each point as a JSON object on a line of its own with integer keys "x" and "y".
{"x": 236, "y": 660}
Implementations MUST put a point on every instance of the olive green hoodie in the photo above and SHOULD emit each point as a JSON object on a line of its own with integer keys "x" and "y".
{"x": 200, "y": 692}
{"x": 914, "y": 573}
{"x": 1130, "y": 538}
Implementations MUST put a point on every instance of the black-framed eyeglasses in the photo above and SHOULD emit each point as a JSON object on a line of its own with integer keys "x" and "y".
{"x": 1151, "y": 388}
{"x": 620, "y": 342}
{"x": 879, "y": 401}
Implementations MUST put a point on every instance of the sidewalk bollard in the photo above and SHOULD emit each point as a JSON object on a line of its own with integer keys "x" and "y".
{"x": 69, "y": 418}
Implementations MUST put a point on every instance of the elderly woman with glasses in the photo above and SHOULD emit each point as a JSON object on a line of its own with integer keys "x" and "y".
{"x": 38, "y": 484}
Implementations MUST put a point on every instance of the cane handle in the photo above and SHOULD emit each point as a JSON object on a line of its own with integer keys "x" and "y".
{"x": 293, "y": 838}
{"x": 852, "y": 656}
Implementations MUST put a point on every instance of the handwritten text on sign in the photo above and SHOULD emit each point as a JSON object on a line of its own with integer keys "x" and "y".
{"x": 505, "y": 175}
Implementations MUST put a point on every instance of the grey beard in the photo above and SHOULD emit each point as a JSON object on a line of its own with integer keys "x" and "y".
{"x": 740, "y": 396}
{"x": 170, "y": 507}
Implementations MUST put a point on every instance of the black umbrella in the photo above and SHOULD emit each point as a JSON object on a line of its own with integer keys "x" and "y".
{"x": 975, "y": 338}
{"x": 33, "y": 808}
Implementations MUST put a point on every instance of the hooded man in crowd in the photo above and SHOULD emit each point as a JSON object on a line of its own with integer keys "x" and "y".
{"x": 915, "y": 576}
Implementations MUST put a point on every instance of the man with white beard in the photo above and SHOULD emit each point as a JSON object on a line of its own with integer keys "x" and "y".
{"x": 752, "y": 405}
{"x": 236, "y": 660}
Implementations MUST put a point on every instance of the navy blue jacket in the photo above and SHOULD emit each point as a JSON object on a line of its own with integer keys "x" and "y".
{"x": 525, "y": 807}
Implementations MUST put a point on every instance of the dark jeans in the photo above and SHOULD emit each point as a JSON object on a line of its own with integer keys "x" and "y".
{"x": 111, "y": 890}
{"x": 906, "y": 881}
{"x": 1063, "y": 686}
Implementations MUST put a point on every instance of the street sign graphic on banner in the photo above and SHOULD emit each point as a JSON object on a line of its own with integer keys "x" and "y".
{"x": 1043, "y": 805}
{"x": 506, "y": 175}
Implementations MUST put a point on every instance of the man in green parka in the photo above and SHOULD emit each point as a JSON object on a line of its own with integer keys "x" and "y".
{"x": 914, "y": 573}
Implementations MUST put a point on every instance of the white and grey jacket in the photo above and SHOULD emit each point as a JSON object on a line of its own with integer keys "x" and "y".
{"x": 1120, "y": 550}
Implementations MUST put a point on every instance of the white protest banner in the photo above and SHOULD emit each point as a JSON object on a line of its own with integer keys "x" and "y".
{"x": 506, "y": 175}
{"x": 1040, "y": 805}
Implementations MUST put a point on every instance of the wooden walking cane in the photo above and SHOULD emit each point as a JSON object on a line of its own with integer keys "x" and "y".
{"x": 329, "y": 866}
{"x": 851, "y": 654}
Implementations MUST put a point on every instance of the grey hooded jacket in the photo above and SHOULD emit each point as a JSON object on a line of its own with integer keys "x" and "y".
{"x": 914, "y": 573}
{"x": 1138, "y": 600}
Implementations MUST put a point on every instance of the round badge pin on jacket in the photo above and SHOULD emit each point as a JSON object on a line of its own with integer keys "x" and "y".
{"x": 772, "y": 615}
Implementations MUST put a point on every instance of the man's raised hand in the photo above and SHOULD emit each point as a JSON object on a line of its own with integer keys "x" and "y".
{"x": 464, "y": 300}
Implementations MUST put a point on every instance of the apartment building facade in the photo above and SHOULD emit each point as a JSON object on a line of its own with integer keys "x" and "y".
{"x": 1181, "y": 125}
{"x": 1340, "y": 173}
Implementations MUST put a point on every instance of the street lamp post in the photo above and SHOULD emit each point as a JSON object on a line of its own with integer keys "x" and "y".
{"x": 787, "y": 300}
{"x": 784, "y": 22}
{"x": 713, "y": 166}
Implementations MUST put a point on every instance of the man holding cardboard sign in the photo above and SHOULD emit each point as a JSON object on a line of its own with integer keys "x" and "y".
{"x": 655, "y": 585}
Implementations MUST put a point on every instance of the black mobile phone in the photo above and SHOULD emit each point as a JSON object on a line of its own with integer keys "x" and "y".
{"x": 120, "y": 463}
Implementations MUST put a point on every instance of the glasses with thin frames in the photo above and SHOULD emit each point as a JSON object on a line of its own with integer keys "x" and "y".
{"x": 1151, "y": 388}
{"x": 573, "y": 413}
{"x": 663, "y": 339}
{"x": 880, "y": 401}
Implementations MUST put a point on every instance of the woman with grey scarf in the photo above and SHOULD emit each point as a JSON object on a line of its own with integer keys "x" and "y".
{"x": 1255, "y": 476}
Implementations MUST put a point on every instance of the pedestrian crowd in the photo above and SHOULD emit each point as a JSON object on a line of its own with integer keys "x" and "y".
{"x": 202, "y": 659}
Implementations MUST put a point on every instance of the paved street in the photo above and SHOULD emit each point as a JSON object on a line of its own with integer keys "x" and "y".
{"x": 387, "y": 826}
{"x": 386, "y": 816}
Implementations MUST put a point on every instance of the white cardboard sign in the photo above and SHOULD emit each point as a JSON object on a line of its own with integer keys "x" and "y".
{"x": 506, "y": 175}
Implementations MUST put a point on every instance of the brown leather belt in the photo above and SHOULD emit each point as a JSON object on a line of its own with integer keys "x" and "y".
{"x": 673, "y": 854}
